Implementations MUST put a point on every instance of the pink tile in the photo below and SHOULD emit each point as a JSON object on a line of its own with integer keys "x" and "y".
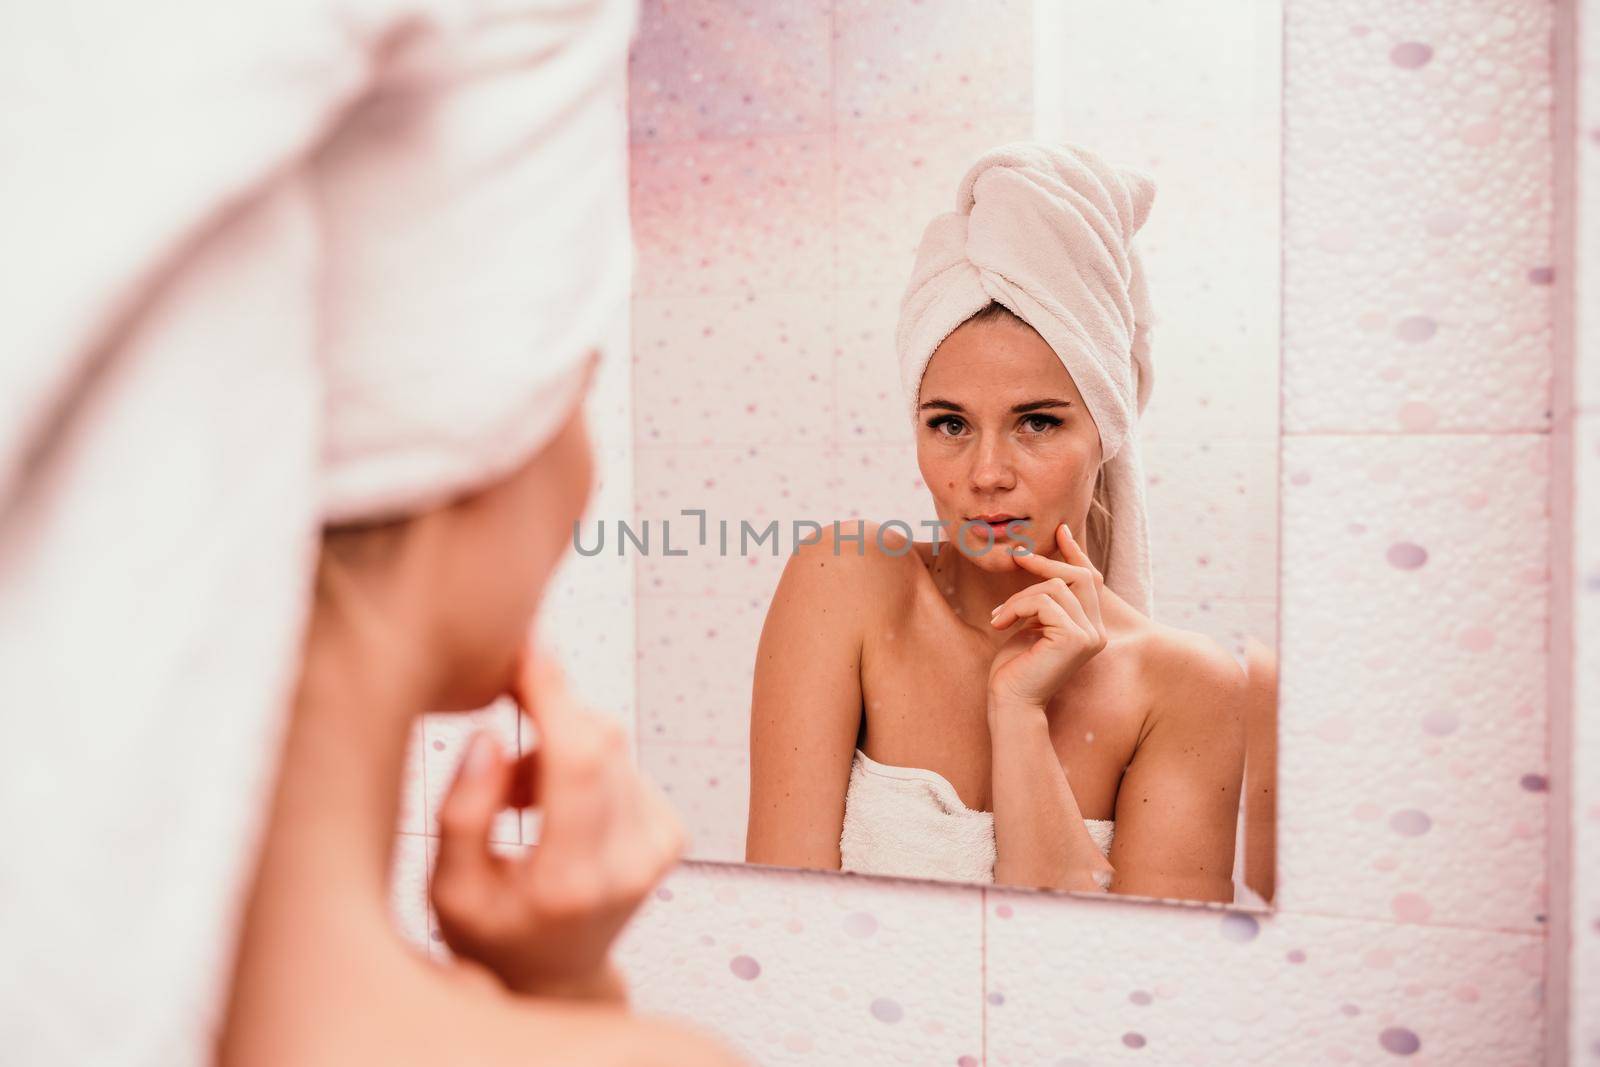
{"x": 1213, "y": 517}
{"x": 723, "y": 370}
{"x": 703, "y": 69}
{"x": 1413, "y": 679}
{"x": 696, "y": 661}
{"x": 445, "y": 737}
{"x": 872, "y": 407}
{"x": 804, "y": 968}
{"x": 721, "y": 217}
{"x": 882, "y": 483}
{"x": 1228, "y": 622}
{"x": 1415, "y": 314}
{"x": 892, "y": 179}
{"x": 748, "y": 488}
{"x": 710, "y": 789}
{"x": 1585, "y": 755}
{"x": 923, "y": 59}
{"x": 1160, "y": 984}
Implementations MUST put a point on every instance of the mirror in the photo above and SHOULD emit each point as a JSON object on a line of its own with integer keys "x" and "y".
{"x": 818, "y": 681}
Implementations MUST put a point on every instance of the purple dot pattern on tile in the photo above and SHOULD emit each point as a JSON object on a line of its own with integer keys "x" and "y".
{"x": 886, "y": 1010}
{"x": 1239, "y": 926}
{"x": 1400, "y": 1041}
{"x": 860, "y": 924}
{"x": 1441, "y": 722}
{"x": 1410, "y": 54}
{"x": 1410, "y": 822}
{"x": 1405, "y": 556}
{"x": 744, "y": 967}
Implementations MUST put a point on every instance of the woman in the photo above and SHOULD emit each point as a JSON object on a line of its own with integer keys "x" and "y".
{"x": 1006, "y": 713}
{"x": 303, "y": 378}
{"x": 322, "y": 975}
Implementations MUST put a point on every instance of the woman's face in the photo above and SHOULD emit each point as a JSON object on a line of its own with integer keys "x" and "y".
{"x": 1003, "y": 434}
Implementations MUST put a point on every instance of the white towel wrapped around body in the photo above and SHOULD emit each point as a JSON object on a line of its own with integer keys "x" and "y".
{"x": 1047, "y": 231}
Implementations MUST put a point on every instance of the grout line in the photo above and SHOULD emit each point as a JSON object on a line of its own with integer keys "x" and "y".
{"x": 983, "y": 973}
{"x": 1538, "y": 934}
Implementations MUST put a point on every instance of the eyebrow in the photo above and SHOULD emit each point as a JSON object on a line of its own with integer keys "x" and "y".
{"x": 1016, "y": 409}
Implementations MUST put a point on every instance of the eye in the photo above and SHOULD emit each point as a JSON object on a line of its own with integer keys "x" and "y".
{"x": 1041, "y": 423}
{"x": 946, "y": 425}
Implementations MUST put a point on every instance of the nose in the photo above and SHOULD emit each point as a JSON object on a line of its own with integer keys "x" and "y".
{"x": 992, "y": 469}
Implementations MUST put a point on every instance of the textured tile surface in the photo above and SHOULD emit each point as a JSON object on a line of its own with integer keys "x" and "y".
{"x": 1585, "y": 759}
{"x": 1416, "y": 273}
{"x": 725, "y": 370}
{"x": 892, "y": 179}
{"x": 721, "y": 217}
{"x": 706, "y": 69}
{"x": 914, "y": 60}
{"x": 754, "y": 485}
{"x": 710, "y": 788}
{"x": 408, "y": 889}
{"x": 696, "y": 663}
{"x": 1241, "y": 990}
{"x": 1413, "y": 761}
{"x": 1416, "y": 302}
{"x": 807, "y": 968}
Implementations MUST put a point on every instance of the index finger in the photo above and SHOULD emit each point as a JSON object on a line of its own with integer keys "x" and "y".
{"x": 540, "y": 688}
{"x": 1072, "y": 551}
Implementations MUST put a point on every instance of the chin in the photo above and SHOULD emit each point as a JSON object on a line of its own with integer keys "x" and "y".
{"x": 479, "y": 686}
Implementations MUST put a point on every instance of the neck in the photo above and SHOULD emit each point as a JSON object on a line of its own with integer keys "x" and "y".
{"x": 973, "y": 591}
{"x": 318, "y": 913}
{"x": 338, "y": 793}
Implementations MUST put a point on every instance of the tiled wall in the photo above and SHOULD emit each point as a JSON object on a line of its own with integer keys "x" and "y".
{"x": 1415, "y": 388}
{"x": 1577, "y": 410}
{"x": 1417, "y": 414}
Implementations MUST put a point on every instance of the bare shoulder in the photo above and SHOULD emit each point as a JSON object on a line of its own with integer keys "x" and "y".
{"x": 854, "y": 565}
{"x": 1196, "y": 683}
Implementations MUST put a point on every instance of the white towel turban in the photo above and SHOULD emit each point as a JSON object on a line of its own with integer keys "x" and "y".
{"x": 1047, "y": 231}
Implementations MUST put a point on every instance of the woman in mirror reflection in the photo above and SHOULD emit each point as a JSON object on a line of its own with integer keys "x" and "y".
{"x": 996, "y": 704}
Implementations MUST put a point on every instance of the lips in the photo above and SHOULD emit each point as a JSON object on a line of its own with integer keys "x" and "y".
{"x": 998, "y": 522}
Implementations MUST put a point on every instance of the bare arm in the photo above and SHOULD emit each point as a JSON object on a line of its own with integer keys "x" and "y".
{"x": 1039, "y": 836}
{"x": 1261, "y": 770}
{"x": 1177, "y": 808}
{"x": 806, "y": 707}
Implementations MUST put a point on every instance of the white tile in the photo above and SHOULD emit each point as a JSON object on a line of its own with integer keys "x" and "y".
{"x": 752, "y": 369}
{"x": 697, "y": 660}
{"x": 1413, "y": 679}
{"x": 408, "y": 889}
{"x": 710, "y": 790}
{"x": 804, "y": 968}
{"x": 1412, "y": 296}
{"x": 931, "y": 59}
{"x": 1212, "y": 513}
{"x": 1074, "y": 981}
